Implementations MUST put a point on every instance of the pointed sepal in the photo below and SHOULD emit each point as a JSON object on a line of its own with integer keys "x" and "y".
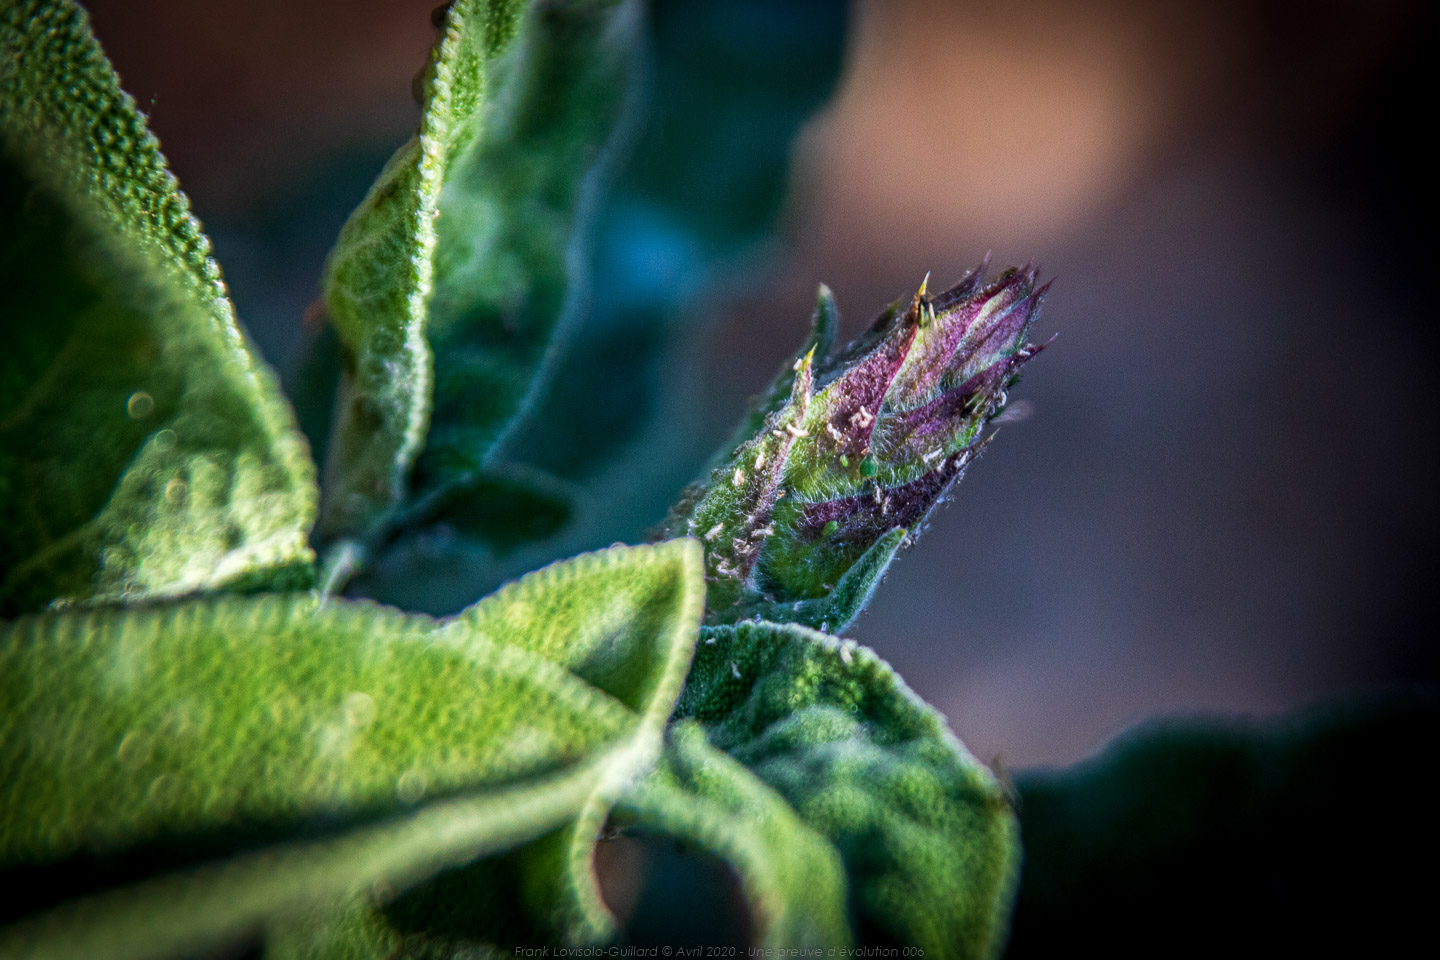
{"x": 842, "y": 461}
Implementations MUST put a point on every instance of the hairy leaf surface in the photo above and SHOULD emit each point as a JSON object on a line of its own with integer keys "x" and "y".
{"x": 597, "y": 635}
{"x": 793, "y": 878}
{"x": 146, "y": 449}
{"x": 337, "y": 752}
{"x": 926, "y": 834}
{"x": 692, "y": 214}
{"x": 449, "y": 282}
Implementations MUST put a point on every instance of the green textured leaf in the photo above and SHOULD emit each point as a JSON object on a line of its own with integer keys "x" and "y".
{"x": 926, "y": 833}
{"x": 792, "y": 877}
{"x": 547, "y": 891}
{"x": 1220, "y": 836}
{"x": 453, "y": 276}
{"x": 146, "y": 449}
{"x": 197, "y": 775}
{"x": 596, "y": 634}
{"x": 691, "y": 215}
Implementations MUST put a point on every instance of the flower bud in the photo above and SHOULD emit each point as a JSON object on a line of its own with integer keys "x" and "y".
{"x": 844, "y": 459}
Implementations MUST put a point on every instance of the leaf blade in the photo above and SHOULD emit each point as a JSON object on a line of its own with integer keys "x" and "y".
{"x": 581, "y": 636}
{"x": 128, "y": 378}
{"x": 691, "y": 213}
{"x": 926, "y": 833}
{"x": 226, "y": 903}
{"x": 792, "y": 877}
{"x": 449, "y": 282}
{"x": 134, "y": 734}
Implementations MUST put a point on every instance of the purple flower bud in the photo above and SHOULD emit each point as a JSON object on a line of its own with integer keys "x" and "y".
{"x": 844, "y": 459}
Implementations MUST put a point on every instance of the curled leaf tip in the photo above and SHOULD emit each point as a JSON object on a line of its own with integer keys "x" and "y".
{"x": 861, "y": 445}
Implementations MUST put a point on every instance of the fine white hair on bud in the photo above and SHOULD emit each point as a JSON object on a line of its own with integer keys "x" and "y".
{"x": 846, "y": 456}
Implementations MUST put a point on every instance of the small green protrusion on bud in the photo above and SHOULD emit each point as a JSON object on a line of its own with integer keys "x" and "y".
{"x": 792, "y": 531}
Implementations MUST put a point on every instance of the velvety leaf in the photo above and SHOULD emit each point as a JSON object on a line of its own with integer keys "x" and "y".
{"x": 146, "y": 449}
{"x": 453, "y": 276}
{"x": 691, "y": 216}
{"x": 1210, "y": 836}
{"x": 513, "y": 241}
{"x": 792, "y": 877}
{"x": 926, "y": 833}
{"x": 599, "y": 633}
{"x": 599, "y": 617}
{"x": 194, "y": 775}
{"x": 547, "y": 891}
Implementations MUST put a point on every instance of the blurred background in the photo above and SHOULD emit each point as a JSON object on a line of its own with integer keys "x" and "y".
{"x": 1224, "y": 492}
